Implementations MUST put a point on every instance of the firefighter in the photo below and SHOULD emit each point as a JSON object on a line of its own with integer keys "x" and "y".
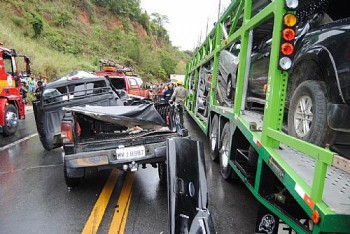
{"x": 179, "y": 95}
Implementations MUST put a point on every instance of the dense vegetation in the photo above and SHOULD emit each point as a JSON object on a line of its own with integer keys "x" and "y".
{"x": 65, "y": 35}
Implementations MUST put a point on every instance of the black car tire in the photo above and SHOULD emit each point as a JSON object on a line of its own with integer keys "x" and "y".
{"x": 10, "y": 112}
{"x": 70, "y": 182}
{"x": 225, "y": 168}
{"x": 314, "y": 115}
{"x": 214, "y": 139}
{"x": 162, "y": 173}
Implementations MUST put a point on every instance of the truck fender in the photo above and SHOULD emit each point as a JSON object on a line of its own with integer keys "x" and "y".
{"x": 323, "y": 57}
{"x": 3, "y": 102}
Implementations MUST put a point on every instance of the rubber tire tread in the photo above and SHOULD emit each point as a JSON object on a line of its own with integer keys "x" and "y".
{"x": 320, "y": 133}
{"x": 226, "y": 172}
{"x": 70, "y": 182}
{"x": 214, "y": 154}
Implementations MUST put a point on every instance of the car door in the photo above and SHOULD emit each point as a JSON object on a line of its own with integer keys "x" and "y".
{"x": 134, "y": 87}
{"x": 187, "y": 187}
{"x": 48, "y": 116}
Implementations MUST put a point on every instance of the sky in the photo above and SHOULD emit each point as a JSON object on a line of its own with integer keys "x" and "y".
{"x": 188, "y": 19}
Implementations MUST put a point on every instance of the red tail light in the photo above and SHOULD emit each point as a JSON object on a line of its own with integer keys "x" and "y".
{"x": 288, "y": 34}
{"x": 66, "y": 132}
{"x": 287, "y": 48}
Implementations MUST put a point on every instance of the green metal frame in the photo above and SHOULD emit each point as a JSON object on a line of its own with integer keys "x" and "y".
{"x": 271, "y": 135}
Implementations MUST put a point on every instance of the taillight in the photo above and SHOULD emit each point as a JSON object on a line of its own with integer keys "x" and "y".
{"x": 66, "y": 132}
{"x": 287, "y": 49}
{"x": 288, "y": 37}
{"x": 288, "y": 34}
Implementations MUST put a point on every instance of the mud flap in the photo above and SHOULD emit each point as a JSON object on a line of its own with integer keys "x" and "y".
{"x": 266, "y": 221}
{"x": 187, "y": 187}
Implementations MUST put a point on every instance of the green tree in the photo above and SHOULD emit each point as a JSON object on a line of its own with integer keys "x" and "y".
{"x": 160, "y": 19}
{"x": 168, "y": 63}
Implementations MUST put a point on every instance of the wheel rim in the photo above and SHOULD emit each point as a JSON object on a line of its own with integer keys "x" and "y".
{"x": 303, "y": 116}
{"x": 11, "y": 119}
{"x": 224, "y": 153}
{"x": 213, "y": 137}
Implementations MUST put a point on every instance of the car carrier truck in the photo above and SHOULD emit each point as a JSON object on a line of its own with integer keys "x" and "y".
{"x": 279, "y": 132}
{"x": 12, "y": 106}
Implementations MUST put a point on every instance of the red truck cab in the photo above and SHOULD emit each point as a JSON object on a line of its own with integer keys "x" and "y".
{"x": 124, "y": 78}
{"x": 12, "y": 106}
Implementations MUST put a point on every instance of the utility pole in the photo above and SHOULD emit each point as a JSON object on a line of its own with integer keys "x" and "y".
{"x": 219, "y": 9}
{"x": 206, "y": 30}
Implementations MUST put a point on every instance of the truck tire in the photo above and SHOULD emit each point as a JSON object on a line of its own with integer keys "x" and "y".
{"x": 162, "y": 173}
{"x": 11, "y": 120}
{"x": 70, "y": 182}
{"x": 225, "y": 168}
{"x": 307, "y": 115}
{"x": 214, "y": 139}
{"x": 47, "y": 143}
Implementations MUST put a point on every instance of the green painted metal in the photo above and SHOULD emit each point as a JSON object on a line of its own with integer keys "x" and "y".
{"x": 271, "y": 136}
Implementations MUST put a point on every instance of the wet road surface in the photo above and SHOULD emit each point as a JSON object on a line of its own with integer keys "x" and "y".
{"x": 35, "y": 199}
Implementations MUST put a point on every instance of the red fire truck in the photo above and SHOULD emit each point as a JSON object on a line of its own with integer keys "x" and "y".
{"x": 123, "y": 79}
{"x": 12, "y": 106}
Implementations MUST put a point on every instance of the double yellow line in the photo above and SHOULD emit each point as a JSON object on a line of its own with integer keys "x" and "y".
{"x": 121, "y": 211}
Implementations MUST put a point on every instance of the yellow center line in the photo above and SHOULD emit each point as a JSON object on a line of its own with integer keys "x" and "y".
{"x": 98, "y": 211}
{"x": 122, "y": 208}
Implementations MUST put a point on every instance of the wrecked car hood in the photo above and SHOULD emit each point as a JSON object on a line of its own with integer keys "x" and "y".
{"x": 145, "y": 115}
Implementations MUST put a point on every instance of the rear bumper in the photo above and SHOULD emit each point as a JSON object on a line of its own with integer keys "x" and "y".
{"x": 338, "y": 116}
{"x": 109, "y": 158}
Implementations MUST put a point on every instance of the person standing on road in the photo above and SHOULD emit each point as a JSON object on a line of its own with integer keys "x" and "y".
{"x": 168, "y": 93}
{"x": 179, "y": 96}
{"x": 39, "y": 90}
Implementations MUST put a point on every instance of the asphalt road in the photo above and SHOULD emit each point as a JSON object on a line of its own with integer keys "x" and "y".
{"x": 35, "y": 199}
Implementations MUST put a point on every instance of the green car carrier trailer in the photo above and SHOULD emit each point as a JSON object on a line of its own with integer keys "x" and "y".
{"x": 297, "y": 183}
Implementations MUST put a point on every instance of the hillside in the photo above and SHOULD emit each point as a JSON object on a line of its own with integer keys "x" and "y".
{"x": 62, "y": 36}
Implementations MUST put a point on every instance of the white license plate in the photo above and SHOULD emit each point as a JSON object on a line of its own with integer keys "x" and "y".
{"x": 131, "y": 152}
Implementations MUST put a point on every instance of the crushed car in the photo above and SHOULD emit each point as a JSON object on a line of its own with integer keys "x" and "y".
{"x": 82, "y": 113}
{"x": 74, "y": 89}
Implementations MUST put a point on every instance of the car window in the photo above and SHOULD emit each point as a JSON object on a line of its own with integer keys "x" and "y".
{"x": 133, "y": 83}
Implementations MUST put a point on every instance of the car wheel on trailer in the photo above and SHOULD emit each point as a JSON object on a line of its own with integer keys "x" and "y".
{"x": 70, "y": 182}
{"x": 307, "y": 115}
{"x": 224, "y": 153}
{"x": 162, "y": 173}
{"x": 11, "y": 120}
{"x": 214, "y": 139}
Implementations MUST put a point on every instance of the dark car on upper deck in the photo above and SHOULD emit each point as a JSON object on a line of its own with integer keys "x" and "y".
{"x": 318, "y": 94}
